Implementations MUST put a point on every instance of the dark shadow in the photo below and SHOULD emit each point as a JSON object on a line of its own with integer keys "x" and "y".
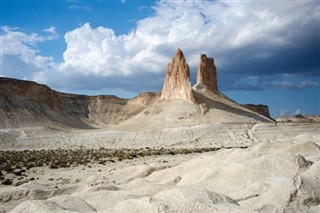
{"x": 200, "y": 98}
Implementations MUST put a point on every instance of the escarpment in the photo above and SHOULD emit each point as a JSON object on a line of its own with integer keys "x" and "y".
{"x": 26, "y": 103}
{"x": 259, "y": 108}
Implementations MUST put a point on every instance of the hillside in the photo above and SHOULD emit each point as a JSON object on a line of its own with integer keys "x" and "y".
{"x": 26, "y": 103}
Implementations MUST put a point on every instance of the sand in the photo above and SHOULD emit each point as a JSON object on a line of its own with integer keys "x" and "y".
{"x": 264, "y": 167}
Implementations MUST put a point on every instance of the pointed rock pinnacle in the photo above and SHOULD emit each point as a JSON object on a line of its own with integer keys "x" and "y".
{"x": 177, "y": 83}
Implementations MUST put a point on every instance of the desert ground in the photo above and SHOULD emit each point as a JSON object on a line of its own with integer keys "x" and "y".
{"x": 184, "y": 149}
{"x": 232, "y": 167}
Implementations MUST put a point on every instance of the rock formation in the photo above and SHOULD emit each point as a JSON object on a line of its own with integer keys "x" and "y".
{"x": 26, "y": 103}
{"x": 299, "y": 119}
{"x": 207, "y": 73}
{"x": 204, "y": 108}
{"x": 32, "y": 91}
{"x": 261, "y": 109}
{"x": 177, "y": 83}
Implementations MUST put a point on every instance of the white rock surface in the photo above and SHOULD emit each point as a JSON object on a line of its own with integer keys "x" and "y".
{"x": 278, "y": 172}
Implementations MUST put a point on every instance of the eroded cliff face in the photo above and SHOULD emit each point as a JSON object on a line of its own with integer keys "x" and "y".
{"x": 30, "y": 90}
{"x": 25, "y": 103}
{"x": 177, "y": 83}
{"x": 207, "y": 73}
{"x": 261, "y": 109}
{"x": 113, "y": 110}
{"x": 145, "y": 98}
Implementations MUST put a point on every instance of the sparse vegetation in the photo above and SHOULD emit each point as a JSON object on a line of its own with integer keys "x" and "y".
{"x": 17, "y": 162}
{"x": 7, "y": 182}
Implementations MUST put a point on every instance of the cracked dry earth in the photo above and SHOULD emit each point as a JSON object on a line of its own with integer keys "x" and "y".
{"x": 208, "y": 168}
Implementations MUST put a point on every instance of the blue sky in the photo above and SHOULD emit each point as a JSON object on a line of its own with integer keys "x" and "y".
{"x": 266, "y": 52}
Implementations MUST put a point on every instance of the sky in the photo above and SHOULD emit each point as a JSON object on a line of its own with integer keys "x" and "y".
{"x": 266, "y": 52}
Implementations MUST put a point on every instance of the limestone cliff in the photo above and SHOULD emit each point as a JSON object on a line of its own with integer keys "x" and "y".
{"x": 30, "y": 90}
{"x": 177, "y": 83}
{"x": 260, "y": 108}
{"x": 26, "y": 103}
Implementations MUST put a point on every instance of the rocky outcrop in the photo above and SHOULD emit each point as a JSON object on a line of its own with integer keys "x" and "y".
{"x": 313, "y": 118}
{"x": 145, "y": 98}
{"x": 261, "y": 109}
{"x": 204, "y": 108}
{"x": 207, "y": 73}
{"x": 26, "y": 103}
{"x": 299, "y": 119}
{"x": 30, "y": 90}
{"x": 177, "y": 83}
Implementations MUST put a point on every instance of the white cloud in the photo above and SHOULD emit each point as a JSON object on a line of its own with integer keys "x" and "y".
{"x": 51, "y": 30}
{"x": 225, "y": 30}
{"x": 40, "y": 77}
{"x": 216, "y": 28}
{"x": 78, "y": 7}
{"x": 100, "y": 52}
{"x": 24, "y": 46}
{"x": 293, "y": 85}
{"x": 20, "y": 57}
{"x": 72, "y": 7}
{"x": 308, "y": 84}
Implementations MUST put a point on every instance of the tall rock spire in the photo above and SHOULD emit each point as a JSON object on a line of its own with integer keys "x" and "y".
{"x": 207, "y": 73}
{"x": 177, "y": 83}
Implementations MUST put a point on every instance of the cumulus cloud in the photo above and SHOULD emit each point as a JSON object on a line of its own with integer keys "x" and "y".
{"x": 25, "y": 46}
{"x": 250, "y": 42}
{"x": 197, "y": 26}
{"x": 101, "y": 53}
{"x": 51, "y": 30}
